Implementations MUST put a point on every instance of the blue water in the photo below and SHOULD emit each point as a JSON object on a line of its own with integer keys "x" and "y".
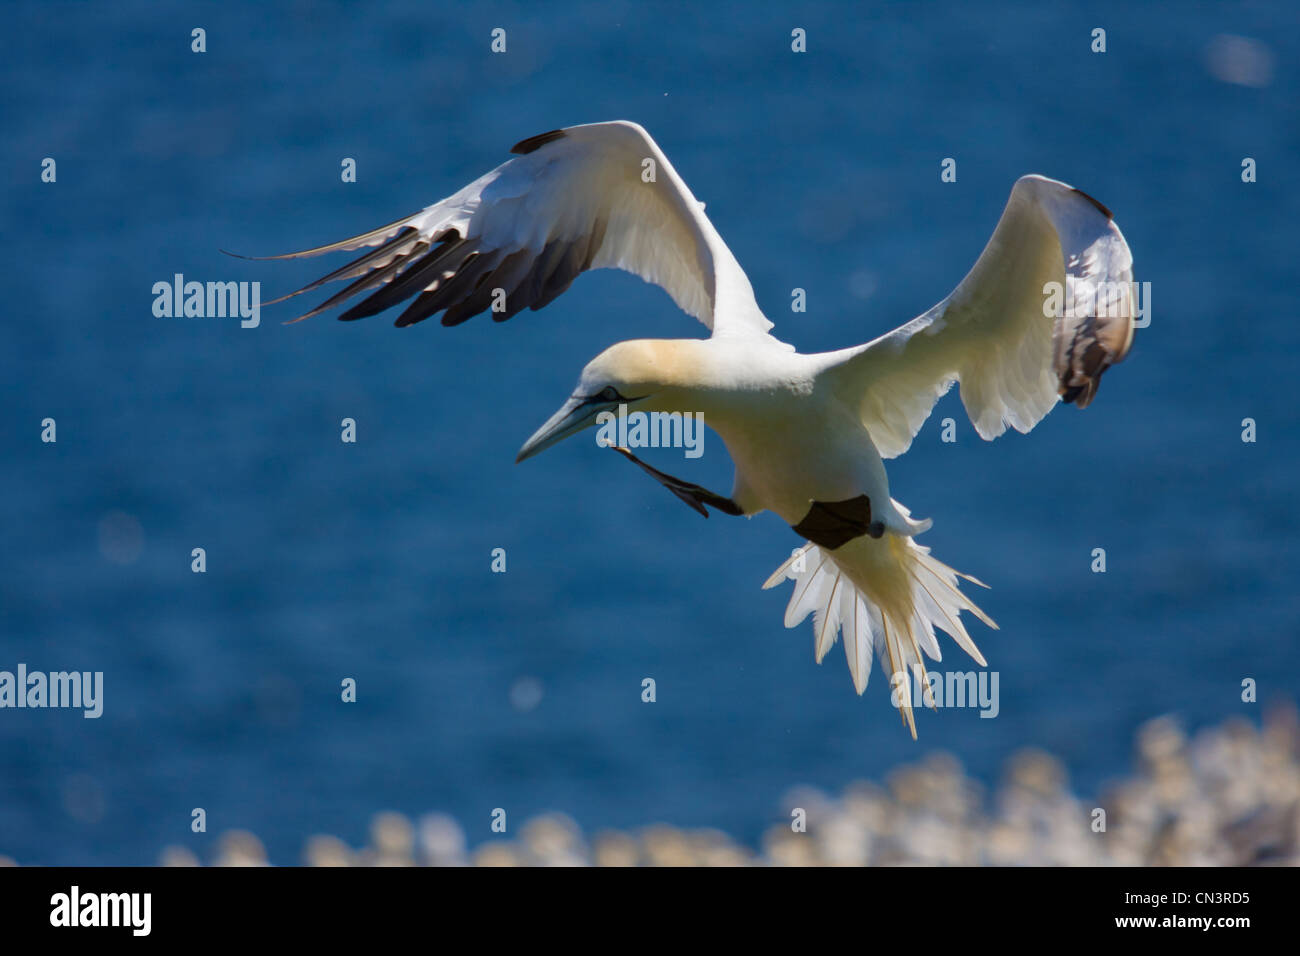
{"x": 372, "y": 561}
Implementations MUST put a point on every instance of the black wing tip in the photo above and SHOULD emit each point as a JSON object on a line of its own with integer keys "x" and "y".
{"x": 532, "y": 143}
{"x": 1079, "y": 389}
{"x": 1101, "y": 207}
{"x": 236, "y": 255}
{"x": 1079, "y": 395}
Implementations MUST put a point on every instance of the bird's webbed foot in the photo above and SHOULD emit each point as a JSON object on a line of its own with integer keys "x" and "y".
{"x": 832, "y": 524}
{"x": 694, "y": 495}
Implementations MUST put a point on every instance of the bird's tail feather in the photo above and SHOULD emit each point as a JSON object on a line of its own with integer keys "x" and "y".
{"x": 884, "y": 595}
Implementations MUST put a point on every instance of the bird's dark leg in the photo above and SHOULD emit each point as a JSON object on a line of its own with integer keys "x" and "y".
{"x": 694, "y": 495}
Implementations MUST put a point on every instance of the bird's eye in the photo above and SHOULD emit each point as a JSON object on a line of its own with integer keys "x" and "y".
{"x": 610, "y": 394}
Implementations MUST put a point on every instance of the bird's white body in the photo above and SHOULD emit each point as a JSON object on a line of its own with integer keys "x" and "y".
{"x": 791, "y": 437}
{"x": 793, "y": 440}
{"x": 808, "y": 434}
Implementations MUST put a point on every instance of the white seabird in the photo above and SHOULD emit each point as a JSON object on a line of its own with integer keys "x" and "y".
{"x": 807, "y": 433}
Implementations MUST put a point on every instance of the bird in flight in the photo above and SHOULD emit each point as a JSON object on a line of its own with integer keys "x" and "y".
{"x": 1045, "y": 310}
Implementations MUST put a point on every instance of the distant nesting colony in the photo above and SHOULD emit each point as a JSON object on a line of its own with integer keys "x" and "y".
{"x": 1229, "y": 796}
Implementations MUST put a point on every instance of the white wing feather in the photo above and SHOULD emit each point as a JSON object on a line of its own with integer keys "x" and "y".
{"x": 594, "y": 196}
{"x": 993, "y": 334}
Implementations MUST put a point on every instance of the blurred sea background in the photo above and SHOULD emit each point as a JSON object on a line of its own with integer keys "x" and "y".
{"x": 522, "y": 690}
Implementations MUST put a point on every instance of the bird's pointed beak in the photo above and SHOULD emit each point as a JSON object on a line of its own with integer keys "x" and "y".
{"x": 576, "y": 415}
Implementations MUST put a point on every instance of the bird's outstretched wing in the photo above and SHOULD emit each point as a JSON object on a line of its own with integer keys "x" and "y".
{"x": 585, "y": 197}
{"x": 1014, "y": 341}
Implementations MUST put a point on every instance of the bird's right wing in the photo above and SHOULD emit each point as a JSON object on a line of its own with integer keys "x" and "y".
{"x": 585, "y": 197}
{"x": 1002, "y": 334}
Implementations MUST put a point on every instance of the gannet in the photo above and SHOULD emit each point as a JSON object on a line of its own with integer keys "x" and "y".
{"x": 807, "y": 433}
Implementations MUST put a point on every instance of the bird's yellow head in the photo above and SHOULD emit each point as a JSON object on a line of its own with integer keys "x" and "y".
{"x": 642, "y": 374}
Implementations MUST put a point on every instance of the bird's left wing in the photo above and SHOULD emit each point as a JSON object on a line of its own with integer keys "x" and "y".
{"x": 1047, "y": 308}
{"x": 585, "y": 197}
